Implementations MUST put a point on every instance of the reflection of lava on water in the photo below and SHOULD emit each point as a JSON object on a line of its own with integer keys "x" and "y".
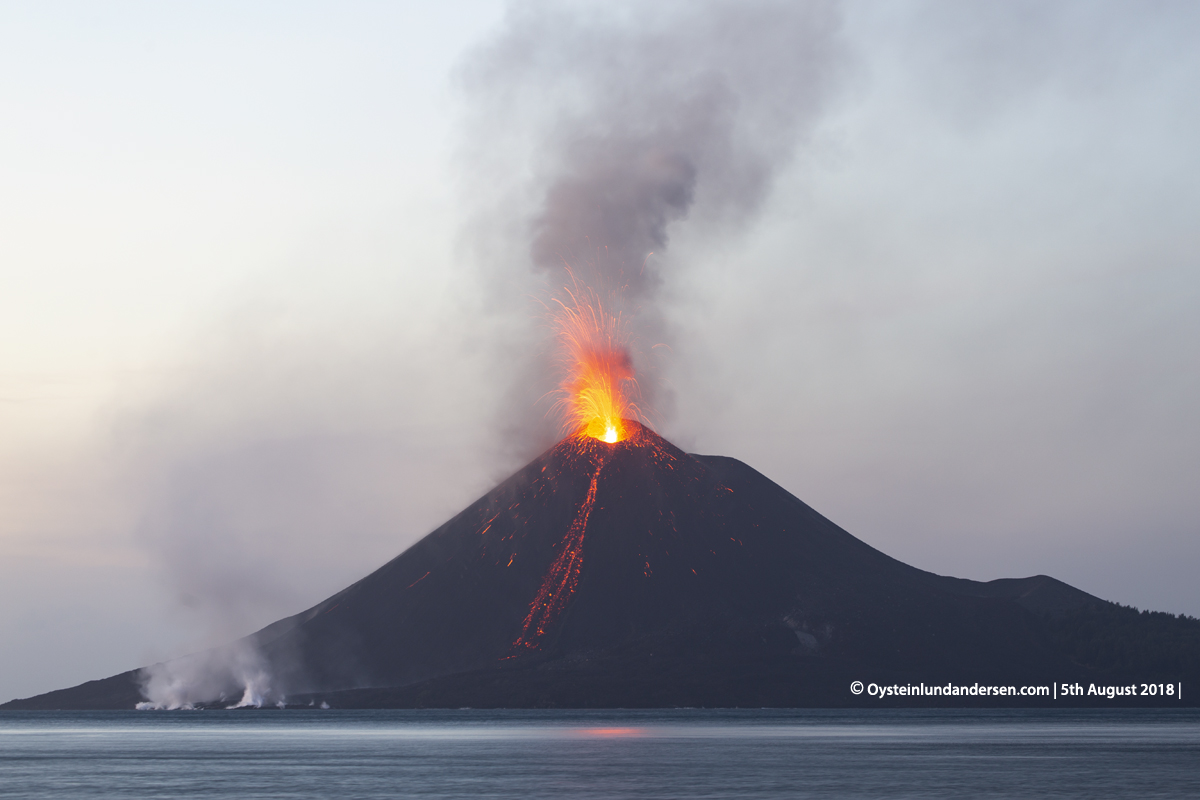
{"x": 613, "y": 733}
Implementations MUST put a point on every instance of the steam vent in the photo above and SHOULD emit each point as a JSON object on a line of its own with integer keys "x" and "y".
{"x": 632, "y": 574}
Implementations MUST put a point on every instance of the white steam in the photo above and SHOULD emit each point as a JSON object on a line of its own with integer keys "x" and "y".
{"x": 215, "y": 675}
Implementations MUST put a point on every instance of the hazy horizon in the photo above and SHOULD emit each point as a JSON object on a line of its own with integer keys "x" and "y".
{"x": 270, "y": 279}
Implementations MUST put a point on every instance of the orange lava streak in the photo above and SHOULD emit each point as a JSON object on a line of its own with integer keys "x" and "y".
{"x": 598, "y": 383}
{"x": 563, "y": 575}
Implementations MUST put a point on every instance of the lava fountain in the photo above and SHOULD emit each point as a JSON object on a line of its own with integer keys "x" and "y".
{"x": 596, "y": 399}
{"x": 598, "y": 388}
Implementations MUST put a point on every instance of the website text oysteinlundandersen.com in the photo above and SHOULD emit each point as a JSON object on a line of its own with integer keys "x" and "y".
{"x": 1053, "y": 691}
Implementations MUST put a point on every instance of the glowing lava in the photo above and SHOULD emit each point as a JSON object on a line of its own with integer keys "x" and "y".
{"x": 596, "y": 393}
{"x": 595, "y": 398}
{"x": 559, "y": 583}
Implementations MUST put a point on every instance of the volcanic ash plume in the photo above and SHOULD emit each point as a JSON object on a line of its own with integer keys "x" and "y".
{"x": 605, "y": 125}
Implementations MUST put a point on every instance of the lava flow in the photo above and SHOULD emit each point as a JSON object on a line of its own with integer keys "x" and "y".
{"x": 559, "y": 583}
{"x": 595, "y": 398}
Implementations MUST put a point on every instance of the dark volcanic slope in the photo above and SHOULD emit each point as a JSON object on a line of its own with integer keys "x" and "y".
{"x": 637, "y": 575}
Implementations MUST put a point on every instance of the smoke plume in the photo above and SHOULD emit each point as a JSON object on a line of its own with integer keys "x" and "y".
{"x": 595, "y": 133}
{"x": 598, "y": 130}
{"x": 236, "y": 673}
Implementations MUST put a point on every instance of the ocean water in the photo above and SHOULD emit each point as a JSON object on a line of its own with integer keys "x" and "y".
{"x": 611, "y": 754}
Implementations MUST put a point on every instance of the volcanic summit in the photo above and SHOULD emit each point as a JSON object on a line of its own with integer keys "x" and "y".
{"x": 632, "y": 574}
{"x": 616, "y": 570}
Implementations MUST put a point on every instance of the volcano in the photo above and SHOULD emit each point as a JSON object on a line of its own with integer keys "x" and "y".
{"x": 633, "y": 574}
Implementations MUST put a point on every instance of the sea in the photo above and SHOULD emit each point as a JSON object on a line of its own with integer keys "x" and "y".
{"x": 685, "y": 753}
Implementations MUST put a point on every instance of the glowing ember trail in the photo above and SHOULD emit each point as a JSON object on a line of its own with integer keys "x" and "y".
{"x": 581, "y": 453}
{"x": 598, "y": 386}
{"x": 560, "y": 580}
{"x": 595, "y": 398}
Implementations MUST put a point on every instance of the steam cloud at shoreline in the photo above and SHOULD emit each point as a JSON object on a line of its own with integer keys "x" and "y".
{"x": 235, "y": 672}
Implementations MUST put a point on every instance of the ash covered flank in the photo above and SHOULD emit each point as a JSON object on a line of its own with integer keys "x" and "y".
{"x": 634, "y": 574}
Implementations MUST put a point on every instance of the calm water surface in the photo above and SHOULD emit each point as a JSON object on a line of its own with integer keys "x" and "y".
{"x": 642, "y": 754}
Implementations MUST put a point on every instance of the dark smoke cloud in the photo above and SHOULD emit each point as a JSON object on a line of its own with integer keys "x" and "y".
{"x": 595, "y": 131}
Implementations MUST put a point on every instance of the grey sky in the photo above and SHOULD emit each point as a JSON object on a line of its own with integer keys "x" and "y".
{"x": 247, "y": 354}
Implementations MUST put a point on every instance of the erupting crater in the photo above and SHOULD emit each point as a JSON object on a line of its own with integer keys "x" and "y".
{"x": 616, "y": 570}
{"x": 598, "y": 389}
